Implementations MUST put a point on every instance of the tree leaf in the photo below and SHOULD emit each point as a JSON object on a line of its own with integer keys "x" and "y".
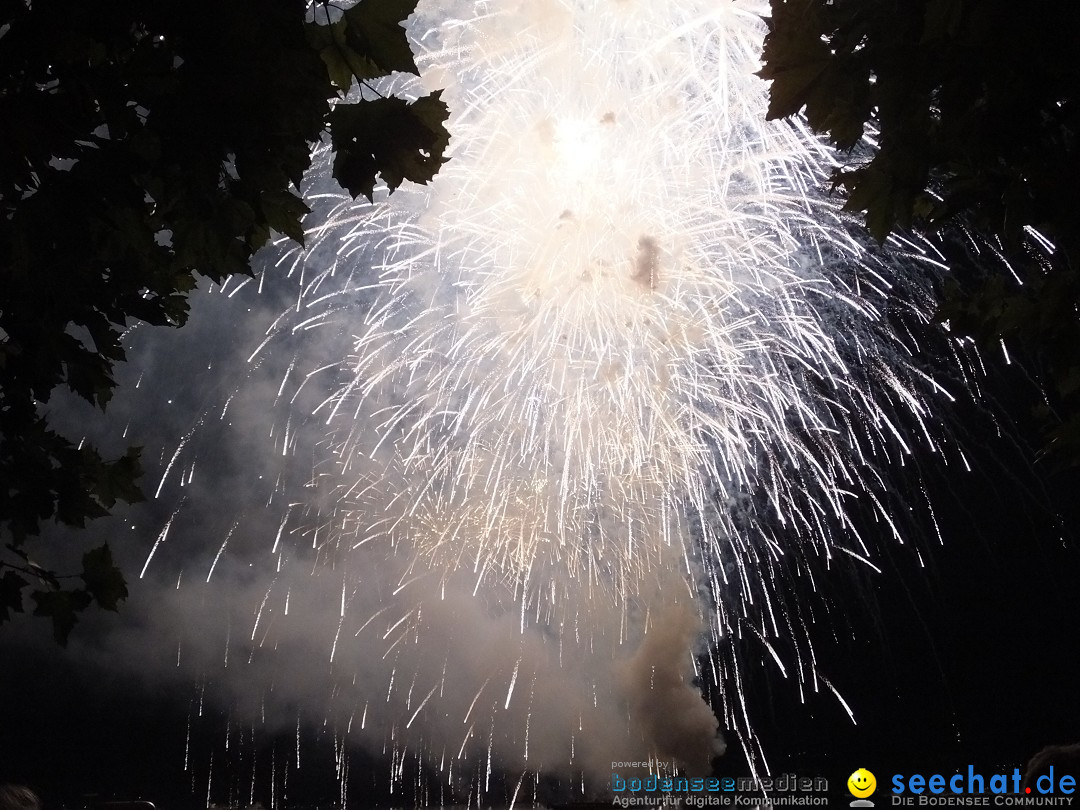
{"x": 11, "y": 587}
{"x": 375, "y": 29}
{"x": 114, "y": 480}
{"x": 388, "y": 138}
{"x": 871, "y": 190}
{"x": 329, "y": 40}
{"x": 794, "y": 56}
{"x": 61, "y": 607}
{"x": 791, "y": 88}
{"x": 44, "y": 575}
{"x": 284, "y": 211}
{"x": 103, "y": 579}
{"x": 342, "y": 60}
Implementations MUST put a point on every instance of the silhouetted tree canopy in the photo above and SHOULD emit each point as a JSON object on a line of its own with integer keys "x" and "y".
{"x": 971, "y": 108}
{"x": 143, "y": 144}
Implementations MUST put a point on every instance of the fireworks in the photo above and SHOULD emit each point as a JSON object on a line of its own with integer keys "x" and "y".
{"x": 615, "y": 377}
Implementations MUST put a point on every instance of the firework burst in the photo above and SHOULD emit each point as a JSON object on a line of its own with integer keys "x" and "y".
{"x": 616, "y": 375}
{"x": 618, "y": 306}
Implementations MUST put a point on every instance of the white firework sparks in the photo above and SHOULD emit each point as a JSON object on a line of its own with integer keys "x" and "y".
{"x": 619, "y": 372}
{"x": 617, "y": 305}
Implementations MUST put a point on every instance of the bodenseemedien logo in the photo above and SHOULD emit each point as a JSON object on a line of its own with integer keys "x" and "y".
{"x": 654, "y": 790}
{"x": 862, "y": 784}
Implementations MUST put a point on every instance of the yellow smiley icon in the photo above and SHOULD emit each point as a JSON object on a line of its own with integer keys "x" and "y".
{"x": 861, "y": 783}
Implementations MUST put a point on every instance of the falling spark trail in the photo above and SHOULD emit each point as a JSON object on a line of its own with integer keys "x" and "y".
{"x": 160, "y": 539}
{"x": 221, "y": 551}
{"x": 513, "y": 680}
{"x": 423, "y": 703}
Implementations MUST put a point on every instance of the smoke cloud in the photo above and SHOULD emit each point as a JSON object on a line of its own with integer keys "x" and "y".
{"x": 662, "y": 697}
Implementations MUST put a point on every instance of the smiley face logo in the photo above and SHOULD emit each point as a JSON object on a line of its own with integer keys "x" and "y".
{"x": 861, "y": 783}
